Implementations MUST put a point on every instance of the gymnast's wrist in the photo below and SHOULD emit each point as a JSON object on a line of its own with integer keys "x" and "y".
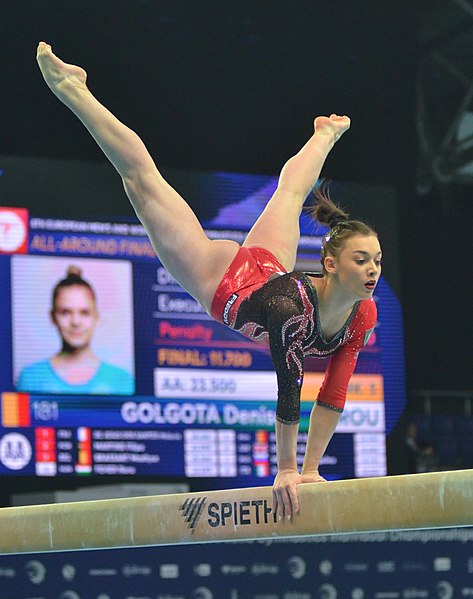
{"x": 309, "y": 470}
{"x": 287, "y": 466}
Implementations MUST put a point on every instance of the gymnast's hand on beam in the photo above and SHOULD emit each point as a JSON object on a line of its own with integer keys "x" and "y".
{"x": 285, "y": 499}
{"x": 60, "y": 76}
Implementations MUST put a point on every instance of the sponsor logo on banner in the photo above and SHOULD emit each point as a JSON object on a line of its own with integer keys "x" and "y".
{"x": 444, "y": 590}
{"x": 68, "y": 572}
{"x": 325, "y": 567}
{"x": 327, "y": 591}
{"x": 233, "y": 569}
{"x": 442, "y": 564}
{"x": 414, "y": 593}
{"x": 103, "y": 572}
{"x": 130, "y": 570}
{"x": 386, "y": 567}
{"x": 202, "y": 569}
{"x": 414, "y": 567}
{"x": 259, "y": 569}
{"x": 169, "y": 571}
{"x": 7, "y": 573}
{"x": 358, "y": 593}
{"x": 356, "y": 567}
{"x": 35, "y": 571}
{"x": 296, "y": 566}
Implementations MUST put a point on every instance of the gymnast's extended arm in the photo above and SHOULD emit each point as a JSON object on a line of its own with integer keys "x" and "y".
{"x": 288, "y": 359}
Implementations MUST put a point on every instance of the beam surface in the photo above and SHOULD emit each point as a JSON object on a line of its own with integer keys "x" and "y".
{"x": 414, "y": 501}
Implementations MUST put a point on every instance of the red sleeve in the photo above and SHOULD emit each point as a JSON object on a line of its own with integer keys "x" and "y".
{"x": 333, "y": 392}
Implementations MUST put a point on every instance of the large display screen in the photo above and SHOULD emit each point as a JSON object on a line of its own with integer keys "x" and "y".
{"x": 167, "y": 391}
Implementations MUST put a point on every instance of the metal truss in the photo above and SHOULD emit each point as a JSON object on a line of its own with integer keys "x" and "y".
{"x": 445, "y": 94}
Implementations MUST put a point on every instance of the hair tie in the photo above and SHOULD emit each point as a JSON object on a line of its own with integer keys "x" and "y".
{"x": 337, "y": 220}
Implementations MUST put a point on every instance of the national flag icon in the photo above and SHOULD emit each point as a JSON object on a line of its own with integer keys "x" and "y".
{"x": 260, "y": 452}
{"x": 15, "y": 409}
{"x": 261, "y": 436}
{"x": 84, "y": 450}
{"x": 261, "y": 469}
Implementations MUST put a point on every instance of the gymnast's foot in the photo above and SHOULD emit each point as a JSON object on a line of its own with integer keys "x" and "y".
{"x": 334, "y": 126}
{"x": 60, "y": 76}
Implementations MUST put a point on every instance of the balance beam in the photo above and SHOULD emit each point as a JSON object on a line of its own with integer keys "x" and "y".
{"x": 414, "y": 501}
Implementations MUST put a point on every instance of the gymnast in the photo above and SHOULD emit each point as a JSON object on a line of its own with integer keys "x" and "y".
{"x": 252, "y": 288}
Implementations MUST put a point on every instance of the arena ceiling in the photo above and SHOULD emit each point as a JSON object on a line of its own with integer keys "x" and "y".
{"x": 234, "y": 85}
{"x": 229, "y": 85}
{"x": 445, "y": 94}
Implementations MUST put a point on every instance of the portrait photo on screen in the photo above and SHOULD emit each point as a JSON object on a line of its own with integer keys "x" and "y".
{"x": 72, "y": 325}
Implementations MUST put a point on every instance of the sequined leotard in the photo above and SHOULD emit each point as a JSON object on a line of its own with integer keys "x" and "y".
{"x": 284, "y": 313}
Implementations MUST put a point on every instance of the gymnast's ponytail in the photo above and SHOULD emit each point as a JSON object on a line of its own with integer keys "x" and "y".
{"x": 341, "y": 226}
{"x": 325, "y": 210}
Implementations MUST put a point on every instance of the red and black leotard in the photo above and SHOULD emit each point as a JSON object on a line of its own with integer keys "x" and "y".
{"x": 284, "y": 312}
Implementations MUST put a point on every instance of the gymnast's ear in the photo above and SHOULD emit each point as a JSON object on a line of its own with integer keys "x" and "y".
{"x": 330, "y": 265}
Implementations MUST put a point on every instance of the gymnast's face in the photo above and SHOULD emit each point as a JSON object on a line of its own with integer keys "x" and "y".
{"x": 358, "y": 266}
{"x": 75, "y": 315}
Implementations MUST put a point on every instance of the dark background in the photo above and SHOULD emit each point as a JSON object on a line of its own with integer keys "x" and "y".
{"x": 235, "y": 86}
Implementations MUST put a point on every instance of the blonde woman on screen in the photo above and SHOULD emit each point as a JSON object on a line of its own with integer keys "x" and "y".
{"x": 75, "y": 368}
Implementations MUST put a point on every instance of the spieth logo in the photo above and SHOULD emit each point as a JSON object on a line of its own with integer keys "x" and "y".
{"x": 192, "y": 510}
{"x": 235, "y": 513}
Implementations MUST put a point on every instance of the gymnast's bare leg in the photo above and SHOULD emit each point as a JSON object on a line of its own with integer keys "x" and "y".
{"x": 277, "y": 229}
{"x": 197, "y": 263}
